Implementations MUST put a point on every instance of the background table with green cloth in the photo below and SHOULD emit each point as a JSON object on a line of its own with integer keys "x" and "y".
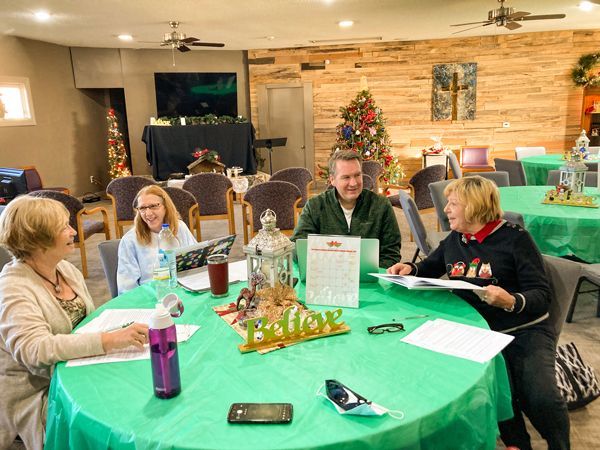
{"x": 537, "y": 167}
{"x": 447, "y": 402}
{"x": 558, "y": 230}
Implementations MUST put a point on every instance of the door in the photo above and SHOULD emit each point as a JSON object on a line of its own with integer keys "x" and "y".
{"x": 285, "y": 112}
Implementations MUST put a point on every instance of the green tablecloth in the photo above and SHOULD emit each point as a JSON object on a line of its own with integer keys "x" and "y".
{"x": 537, "y": 167}
{"x": 558, "y": 230}
{"x": 448, "y": 402}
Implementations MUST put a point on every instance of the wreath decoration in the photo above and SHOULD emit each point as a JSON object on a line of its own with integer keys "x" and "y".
{"x": 582, "y": 73}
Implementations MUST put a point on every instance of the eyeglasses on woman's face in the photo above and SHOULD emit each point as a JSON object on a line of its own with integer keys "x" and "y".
{"x": 152, "y": 207}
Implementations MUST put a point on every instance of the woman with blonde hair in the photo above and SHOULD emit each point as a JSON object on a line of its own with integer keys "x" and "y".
{"x": 139, "y": 246}
{"x": 42, "y": 298}
{"x": 503, "y": 259}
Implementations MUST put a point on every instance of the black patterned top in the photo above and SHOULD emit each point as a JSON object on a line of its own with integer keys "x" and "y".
{"x": 75, "y": 309}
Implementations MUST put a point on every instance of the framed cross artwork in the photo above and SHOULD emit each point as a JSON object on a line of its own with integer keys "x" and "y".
{"x": 454, "y": 91}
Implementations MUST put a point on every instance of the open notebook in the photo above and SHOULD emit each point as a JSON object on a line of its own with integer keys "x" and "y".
{"x": 369, "y": 258}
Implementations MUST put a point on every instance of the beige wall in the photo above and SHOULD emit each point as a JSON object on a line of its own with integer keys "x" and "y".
{"x": 523, "y": 79}
{"x": 138, "y": 79}
{"x": 67, "y": 144}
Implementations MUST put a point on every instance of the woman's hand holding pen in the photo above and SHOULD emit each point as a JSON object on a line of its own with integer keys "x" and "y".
{"x": 135, "y": 334}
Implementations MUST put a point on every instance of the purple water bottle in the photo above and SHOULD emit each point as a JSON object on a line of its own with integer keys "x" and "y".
{"x": 163, "y": 353}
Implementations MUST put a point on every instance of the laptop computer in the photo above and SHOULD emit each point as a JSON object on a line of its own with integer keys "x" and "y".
{"x": 369, "y": 258}
{"x": 194, "y": 256}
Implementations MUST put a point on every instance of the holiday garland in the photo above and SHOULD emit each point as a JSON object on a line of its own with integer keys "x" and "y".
{"x": 117, "y": 156}
{"x": 208, "y": 119}
{"x": 582, "y": 74}
{"x": 363, "y": 130}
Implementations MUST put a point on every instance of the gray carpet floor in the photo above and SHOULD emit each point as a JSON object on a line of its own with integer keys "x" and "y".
{"x": 584, "y": 331}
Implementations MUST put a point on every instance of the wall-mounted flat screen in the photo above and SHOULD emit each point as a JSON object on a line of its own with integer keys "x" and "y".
{"x": 195, "y": 94}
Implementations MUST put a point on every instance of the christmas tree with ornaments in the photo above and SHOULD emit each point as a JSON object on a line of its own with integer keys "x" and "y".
{"x": 363, "y": 130}
{"x": 117, "y": 156}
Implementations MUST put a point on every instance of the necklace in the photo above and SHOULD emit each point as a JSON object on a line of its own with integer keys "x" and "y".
{"x": 56, "y": 285}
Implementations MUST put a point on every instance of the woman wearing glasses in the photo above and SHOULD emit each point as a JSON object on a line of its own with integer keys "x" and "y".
{"x": 139, "y": 246}
{"x": 42, "y": 298}
{"x": 484, "y": 249}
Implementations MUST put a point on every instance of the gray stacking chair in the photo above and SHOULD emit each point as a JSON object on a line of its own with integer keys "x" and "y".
{"x": 563, "y": 276}
{"x": 499, "y": 177}
{"x": 425, "y": 243}
{"x": 516, "y": 174}
{"x": 439, "y": 202}
{"x": 455, "y": 165}
{"x": 5, "y": 257}
{"x": 523, "y": 152}
{"x": 590, "y": 273}
{"x": 109, "y": 255}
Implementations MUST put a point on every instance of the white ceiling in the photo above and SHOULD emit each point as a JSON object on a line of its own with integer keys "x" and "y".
{"x": 245, "y": 24}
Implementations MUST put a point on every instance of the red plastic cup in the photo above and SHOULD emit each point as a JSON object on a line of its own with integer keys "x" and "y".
{"x": 218, "y": 275}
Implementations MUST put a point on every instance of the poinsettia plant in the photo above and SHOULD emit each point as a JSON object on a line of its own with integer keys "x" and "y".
{"x": 206, "y": 155}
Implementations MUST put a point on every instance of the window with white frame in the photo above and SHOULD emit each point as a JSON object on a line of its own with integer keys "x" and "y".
{"x": 16, "y": 107}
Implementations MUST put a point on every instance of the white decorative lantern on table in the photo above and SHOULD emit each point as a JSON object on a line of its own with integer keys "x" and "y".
{"x": 572, "y": 175}
{"x": 582, "y": 144}
{"x": 270, "y": 252}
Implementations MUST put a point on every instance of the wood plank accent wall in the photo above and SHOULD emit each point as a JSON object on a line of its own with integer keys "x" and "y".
{"x": 523, "y": 79}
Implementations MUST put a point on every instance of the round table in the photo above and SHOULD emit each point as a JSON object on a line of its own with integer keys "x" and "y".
{"x": 447, "y": 402}
{"x": 558, "y": 230}
{"x": 537, "y": 167}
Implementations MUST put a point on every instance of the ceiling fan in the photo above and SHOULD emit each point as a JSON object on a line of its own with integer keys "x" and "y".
{"x": 178, "y": 40}
{"x": 507, "y": 17}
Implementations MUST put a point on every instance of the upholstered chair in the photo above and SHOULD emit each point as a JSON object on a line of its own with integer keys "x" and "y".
{"x": 214, "y": 195}
{"x": 84, "y": 227}
{"x": 122, "y": 192}
{"x": 516, "y": 174}
{"x": 186, "y": 206}
{"x": 299, "y": 177}
{"x": 280, "y": 196}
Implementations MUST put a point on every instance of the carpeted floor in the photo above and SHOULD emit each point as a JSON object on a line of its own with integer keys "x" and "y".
{"x": 584, "y": 331}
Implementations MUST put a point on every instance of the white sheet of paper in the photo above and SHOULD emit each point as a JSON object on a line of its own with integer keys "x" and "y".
{"x": 457, "y": 339}
{"x": 111, "y": 319}
{"x": 332, "y": 270}
{"x": 197, "y": 280}
{"x": 412, "y": 282}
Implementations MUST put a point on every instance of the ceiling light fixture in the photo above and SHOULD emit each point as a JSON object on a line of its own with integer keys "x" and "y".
{"x": 586, "y": 6}
{"x": 342, "y": 40}
{"x": 270, "y": 38}
{"x": 42, "y": 16}
{"x": 345, "y": 23}
{"x": 125, "y": 37}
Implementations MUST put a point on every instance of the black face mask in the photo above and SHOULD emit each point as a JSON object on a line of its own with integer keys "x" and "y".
{"x": 342, "y": 396}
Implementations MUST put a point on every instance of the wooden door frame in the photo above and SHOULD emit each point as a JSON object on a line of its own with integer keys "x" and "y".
{"x": 262, "y": 96}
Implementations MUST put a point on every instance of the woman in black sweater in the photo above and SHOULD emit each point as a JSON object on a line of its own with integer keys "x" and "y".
{"x": 501, "y": 257}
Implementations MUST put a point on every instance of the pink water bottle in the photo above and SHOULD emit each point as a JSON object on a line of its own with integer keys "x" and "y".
{"x": 163, "y": 353}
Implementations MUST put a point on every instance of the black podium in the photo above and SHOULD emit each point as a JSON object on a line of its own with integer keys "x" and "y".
{"x": 269, "y": 144}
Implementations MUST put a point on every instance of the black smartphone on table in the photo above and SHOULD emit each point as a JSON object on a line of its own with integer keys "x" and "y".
{"x": 260, "y": 413}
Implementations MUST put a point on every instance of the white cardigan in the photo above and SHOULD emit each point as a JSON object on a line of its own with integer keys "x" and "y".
{"x": 34, "y": 335}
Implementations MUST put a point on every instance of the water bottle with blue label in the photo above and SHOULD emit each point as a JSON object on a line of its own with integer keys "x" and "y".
{"x": 167, "y": 244}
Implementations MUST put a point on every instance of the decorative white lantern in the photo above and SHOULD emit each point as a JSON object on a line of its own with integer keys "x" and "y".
{"x": 582, "y": 143}
{"x": 270, "y": 252}
{"x": 572, "y": 175}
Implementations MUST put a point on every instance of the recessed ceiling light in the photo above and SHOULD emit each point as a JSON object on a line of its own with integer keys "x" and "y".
{"x": 42, "y": 16}
{"x": 270, "y": 38}
{"x": 125, "y": 37}
{"x": 345, "y": 23}
{"x": 586, "y": 6}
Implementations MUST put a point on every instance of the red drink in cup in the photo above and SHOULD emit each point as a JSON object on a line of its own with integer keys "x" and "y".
{"x": 218, "y": 275}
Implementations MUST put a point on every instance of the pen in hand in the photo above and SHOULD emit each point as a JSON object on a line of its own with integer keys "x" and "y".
{"x": 125, "y": 325}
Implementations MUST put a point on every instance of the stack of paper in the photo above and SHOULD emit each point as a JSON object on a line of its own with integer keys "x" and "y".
{"x": 412, "y": 282}
{"x": 457, "y": 339}
{"x": 114, "y": 319}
